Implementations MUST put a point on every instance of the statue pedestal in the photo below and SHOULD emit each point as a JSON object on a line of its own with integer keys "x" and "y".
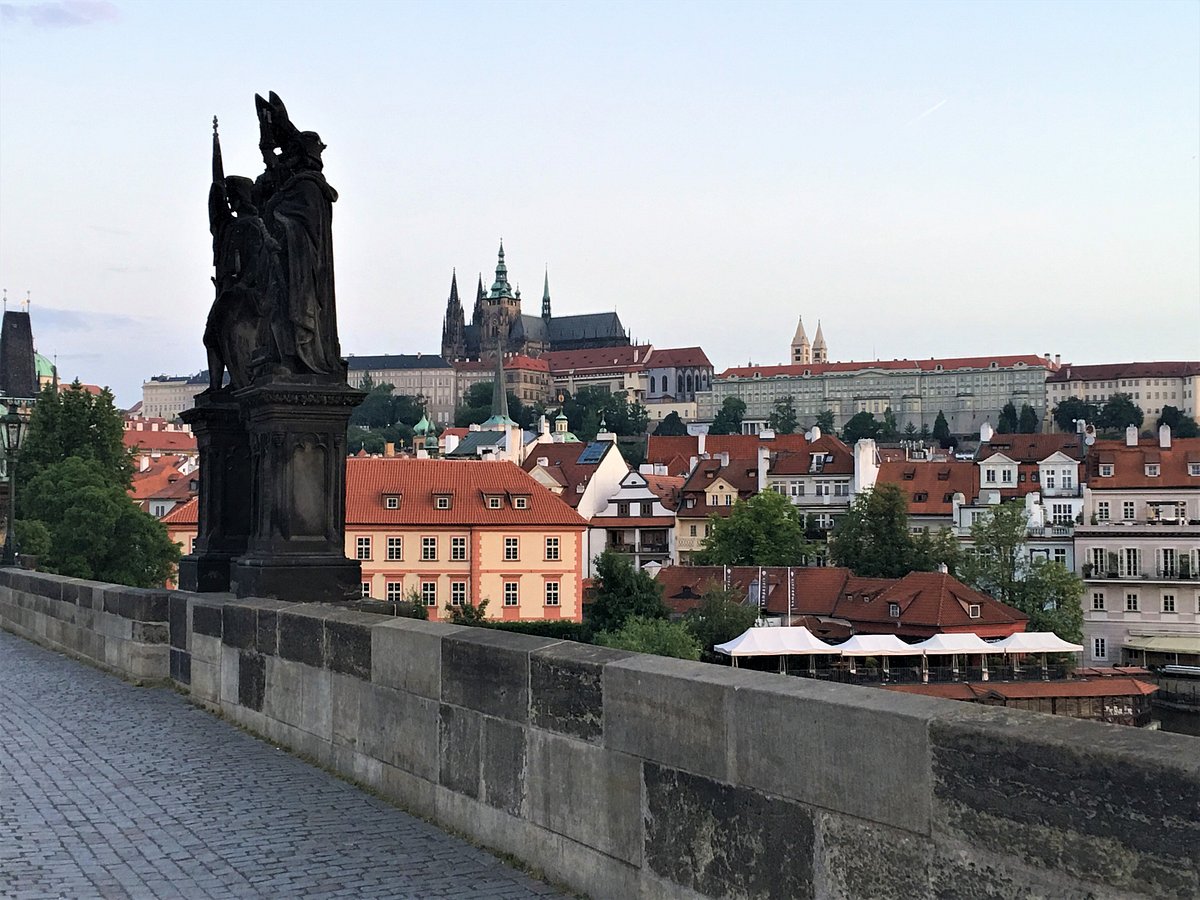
{"x": 297, "y": 489}
{"x": 224, "y": 524}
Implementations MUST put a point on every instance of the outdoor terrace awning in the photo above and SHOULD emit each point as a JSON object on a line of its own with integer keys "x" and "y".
{"x": 783, "y": 641}
{"x": 1035, "y": 642}
{"x": 876, "y": 645}
{"x": 1164, "y": 643}
{"x": 953, "y": 643}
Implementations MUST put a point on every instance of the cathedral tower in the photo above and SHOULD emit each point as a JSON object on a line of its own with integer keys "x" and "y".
{"x": 820, "y": 353}
{"x": 801, "y": 349}
{"x": 501, "y": 307}
{"x": 454, "y": 326}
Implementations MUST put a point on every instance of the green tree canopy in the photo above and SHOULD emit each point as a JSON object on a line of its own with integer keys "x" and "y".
{"x": 592, "y": 405}
{"x": 783, "y": 416}
{"x": 999, "y": 565}
{"x": 720, "y": 617}
{"x": 889, "y": 429}
{"x": 824, "y": 421}
{"x": 622, "y": 591}
{"x": 74, "y": 423}
{"x": 1069, "y": 409}
{"x": 376, "y": 411}
{"x": 671, "y": 425}
{"x": 941, "y": 431}
{"x": 1007, "y": 423}
{"x": 652, "y": 635}
{"x": 873, "y": 538}
{"x": 861, "y": 425}
{"x": 1182, "y": 426}
{"x": 728, "y": 419}
{"x": 1118, "y": 413}
{"x": 765, "y": 530}
{"x": 1028, "y": 421}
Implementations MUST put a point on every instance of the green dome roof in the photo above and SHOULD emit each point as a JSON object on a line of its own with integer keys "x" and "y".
{"x": 45, "y": 368}
{"x": 423, "y": 427}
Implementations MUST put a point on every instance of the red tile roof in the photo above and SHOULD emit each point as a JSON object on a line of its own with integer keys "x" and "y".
{"x": 1068, "y": 373}
{"x": 417, "y": 481}
{"x": 598, "y": 359}
{"x": 184, "y": 514}
{"x": 839, "y": 459}
{"x": 666, "y": 488}
{"x": 1129, "y": 464}
{"x": 1030, "y": 448}
{"x": 924, "y": 365}
{"x": 664, "y": 448}
{"x": 562, "y": 464}
{"x": 162, "y": 480}
{"x": 164, "y": 441}
{"x": 1025, "y": 690}
{"x": 678, "y": 357}
{"x": 511, "y": 363}
{"x": 930, "y": 486}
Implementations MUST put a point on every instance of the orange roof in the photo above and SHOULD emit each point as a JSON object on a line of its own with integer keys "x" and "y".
{"x": 562, "y": 464}
{"x": 664, "y": 448}
{"x": 468, "y": 482}
{"x": 666, "y": 488}
{"x": 923, "y": 365}
{"x": 514, "y": 362}
{"x": 1024, "y": 690}
{"x": 598, "y": 359}
{"x": 930, "y": 486}
{"x": 165, "y": 441}
{"x": 184, "y": 514}
{"x": 163, "y": 481}
{"x": 1129, "y": 464}
{"x": 678, "y": 357}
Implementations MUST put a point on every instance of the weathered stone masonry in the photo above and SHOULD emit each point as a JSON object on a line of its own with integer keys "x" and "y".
{"x": 626, "y": 775}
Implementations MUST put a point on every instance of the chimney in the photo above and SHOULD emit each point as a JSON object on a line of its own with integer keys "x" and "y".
{"x": 143, "y": 463}
{"x": 660, "y": 469}
{"x": 699, "y": 445}
{"x": 724, "y": 457}
{"x": 985, "y": 433}
{"x": 1058, "y": 359}
{"x": 389, "y": 450}
{"x": 1164, "y": 436}
{"x": 764, "y": 464}
{"x": 1131, "y": 436}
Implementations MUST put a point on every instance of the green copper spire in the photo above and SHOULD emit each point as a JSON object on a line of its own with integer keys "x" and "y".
{"x": 501, "y": 288}
{"x": 499, "y": 415}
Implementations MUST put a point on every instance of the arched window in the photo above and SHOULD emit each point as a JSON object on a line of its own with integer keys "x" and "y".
{"x": 689, "y": 382}
{"x": 679, "y": 384}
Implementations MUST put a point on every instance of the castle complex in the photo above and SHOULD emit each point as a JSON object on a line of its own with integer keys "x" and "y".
{"x": 497, "y": 322}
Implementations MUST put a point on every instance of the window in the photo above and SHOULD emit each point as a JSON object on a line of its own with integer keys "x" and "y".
{"x": 1168, "y": 603}
{"x": 458, "y": 549}
{"x": 1170, "y": 563}
{"x": 429, "y": 593}
{"x": 973, "y": 610}
{"x": 1151, "y": 470}
{"x": 729, "y": 500}
{"x": 441, "y": 502}
{"x": 1131, "y": 603}
{"x": 395, "y": 591}
{"x": 512, "y": 549}
{"x": 1193, "y": 468}
{"x": 1060, "y": 555}
{"x": 428, "y": 548}
{"x": 366, "y": 589}
{"x": 1127, "y": 510}
{"x": 552, "y": 548}
{"x": 894, "y": 610}
{"x": 1098, "y": 600}
{"x": 510, "y": 594}
{"x": 493, "y": 502}
{"x": 1048, "y": 481}
{"x": 1106, "y": 470}
{"x": 647, "y": 508}
{"x": 520, "y": 502}
{"x": 458, "y": 593}
{"x": 623, "y": 508}
{"x": 391, "y": 502}
{"x": 841, "y": 489}
{"x": 1099, "y": 648}
{"x": 395, "y": 548}
{"x": 1061, "y": 514}
{"x": 691, "y": 531}
{"x": 1130, "y": 562}
{"x": 1006, "y": 476}
{"x": 1102, "y": 511}
{"x": 362, "y": 548}
{"x": 552, "y": 593}
{"x": 989, "y": 476}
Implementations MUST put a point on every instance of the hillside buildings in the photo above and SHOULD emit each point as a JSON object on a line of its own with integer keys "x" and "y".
{"x": 1151, "y": 385}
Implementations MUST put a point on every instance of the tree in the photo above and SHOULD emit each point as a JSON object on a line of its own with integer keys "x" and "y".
{"x": 728, "y": 419}
{"x": 1181, "y": 426}
{"x": 720, "y": 617}
{"x": 622, "y": 591}
{"x": 376, "y": 410}
{"x": 765, "y": 530}
{"x": 592, "y": 405}
{"x": 889, "y": 430}
{"x": 1007, "y": 423}
{"x": 932, "y": 549}
{"x": 825, "y": 421}
{"x": 1028, "y": 422}
{"x": 1070, "y": 409}
{"x": 74, "y": 423}
{"x": 1118, "y": 413}
{"x": 910, "y": 431}
{"x": 671, "y": 425}
{"x": 999, "y": 565}
{"x": 941, "y": 431}
{"x": 407, "y": 410}
{"x": 467, "y": 613}
{"x": 652, "y": 635}
{"x": 873, "y": 539}
{"x": 783, "y": 416}
{"x": 861, "y": 425}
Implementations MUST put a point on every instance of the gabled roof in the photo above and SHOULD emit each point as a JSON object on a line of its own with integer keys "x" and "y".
{"x": 678, "y": 357}
{"x": 598, "y": 359}
{"x": 417, "y": 481}
{"x": 563, "y": 465}
{"x": 912, "y": 365}
{"x": 1129, "y": 465}
{"x": 666, "y": 488}
{"x": 586, "y": 327}
{"x": 184, "y": 514}
{"x": 1068, "y": 373}
{"x": 162, "y": 480}
{"x": 930, "y": 486}
{"x": 1030, "y": 448}
{"x": 838, "y": 459}
{"x": 663, "y": 448}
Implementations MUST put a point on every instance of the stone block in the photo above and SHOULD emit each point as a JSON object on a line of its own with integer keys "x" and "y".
{"x": 406, "y": 654}
{"x": 726, "y": 841}
{"x": 206, "y": 680}
{"x": 230, "y": 670}
{"x": 1014, "y": 779}
{"x": 206, "y": 649}
{"x": 502, "y": 755}
{"x": 302, "y": 638}
{"x": 147, "y": 661}
{"x": 181, "y": 666}
{"x": 150, "y": 632}
{"x": 399, "y": 728}
{"x": 117, "y": 601}
{"x": 239, "y": 626}
{"x": 566, "y": 688}
{"x": 348, "y": 634}
{"x": 252, "y": 679}
{"x": 206, "y": 618}
{"x": 855, "y": 858}
{"x": 672, "y": 711}
{"x": 459, "y": 737}
{"x": 177, "y": 620}
{"x": 300, "y": 696}
{"x": 870, "y": 746}
{"x": 267, "y": 630}
{"x": 413, "y": 793}
{"x": 589, "y": 794}
{"x": 499, "y": 660}
{"x": 147, "y": 604}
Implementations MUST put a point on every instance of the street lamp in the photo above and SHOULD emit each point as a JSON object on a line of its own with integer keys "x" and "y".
{"x": 12, "y": 430}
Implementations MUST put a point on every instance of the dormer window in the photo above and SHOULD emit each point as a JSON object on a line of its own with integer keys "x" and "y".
{"x": 441, "y": 501}
{"x": 520, "y": 503}
{"x": 974, "y": 611}
{"x": 391, "y": 501}
{"x": 493, "y": 502}
{"x": 1106, "y": 470}
{"x": 894, "y": 610}
{"x": 1151, "y": 470}
{"x": 1194, "y": 468}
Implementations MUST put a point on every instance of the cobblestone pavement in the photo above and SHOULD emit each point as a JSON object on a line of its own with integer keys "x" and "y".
{"x": 109, "y": 790}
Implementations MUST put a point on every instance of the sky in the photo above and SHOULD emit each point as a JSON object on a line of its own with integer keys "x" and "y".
{"x": 926, "y": 179}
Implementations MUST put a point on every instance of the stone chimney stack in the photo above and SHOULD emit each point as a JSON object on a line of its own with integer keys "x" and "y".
{"x": 1131, "y": 436}
{"x": 1164, "y": 437}
{"x": 764, "y": 464}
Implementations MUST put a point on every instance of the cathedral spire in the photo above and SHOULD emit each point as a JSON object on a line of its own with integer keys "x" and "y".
{"x": 499, "y": 390}
{"x": 820, "y": 353}
{"x": 546, "y": 296}
{"x": 501, "y": 288}
{"x": 477, "y": 315}
{"x": 454, "y": 333}
{"x": 801, "y": 349}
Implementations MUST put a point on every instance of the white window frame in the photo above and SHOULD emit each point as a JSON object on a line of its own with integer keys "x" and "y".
{"x": 394, "y": 591}
{"x": 1133, "y": 603}
{"x": 366, "y": 588}
{"x": 395, "y": 548}
{"x": 553, "y": 549}
{"x": 441, "y": 502}
{"x": 512, "y": 593}
{"x": 512, "y": 549}
{"x": 553, "y": 593}
{"x": 429, "y": 549}
{"x": 362, "y": 547}
{"x": 458, "y": 549}
{"x": 391, "y": 502}
{"x": 1099, "y": 648}
{"x": 458, "y": 593}
{"x": 429, "y": 593}
{"x": 493, "y": 502}
{"x": 1098, "y": 601}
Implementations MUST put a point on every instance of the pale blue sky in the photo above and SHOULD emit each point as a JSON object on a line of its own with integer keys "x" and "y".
{"x": 927, "y": 179}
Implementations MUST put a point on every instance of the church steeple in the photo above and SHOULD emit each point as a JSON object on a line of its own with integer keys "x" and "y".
{"x": 454, "y": 333}
{"x": 546, "y": 297}
{"x": 477, "y": 315}
{"x": 820, "y": 353}
{"x": 501, "y": 287}
{"x": 801, "y": 349}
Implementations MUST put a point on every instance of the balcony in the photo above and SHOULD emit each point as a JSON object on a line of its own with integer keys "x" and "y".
{"x": 1063, "y": 531}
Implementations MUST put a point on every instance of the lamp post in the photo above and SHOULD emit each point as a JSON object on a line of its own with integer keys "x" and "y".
{"x": 12, "y": 430}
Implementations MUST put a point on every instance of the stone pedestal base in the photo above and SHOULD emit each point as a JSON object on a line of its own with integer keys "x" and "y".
{"x": 224, "y": 522}
{"x": 296, "y": 547}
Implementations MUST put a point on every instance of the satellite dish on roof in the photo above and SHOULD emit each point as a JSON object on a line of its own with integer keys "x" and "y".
{"x": 1089, "y": 439}
{"x": 808, "y": 436}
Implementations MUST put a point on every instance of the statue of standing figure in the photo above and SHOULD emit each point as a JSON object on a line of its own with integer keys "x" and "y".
{"x": 274, "y": 313}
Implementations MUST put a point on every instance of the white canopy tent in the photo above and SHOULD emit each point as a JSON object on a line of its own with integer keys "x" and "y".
{"x": 782, "y": 642}
{"x": 952, "y": 643}
{"x": 1035, "y": 642}
{"x": 876, "y": 645}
